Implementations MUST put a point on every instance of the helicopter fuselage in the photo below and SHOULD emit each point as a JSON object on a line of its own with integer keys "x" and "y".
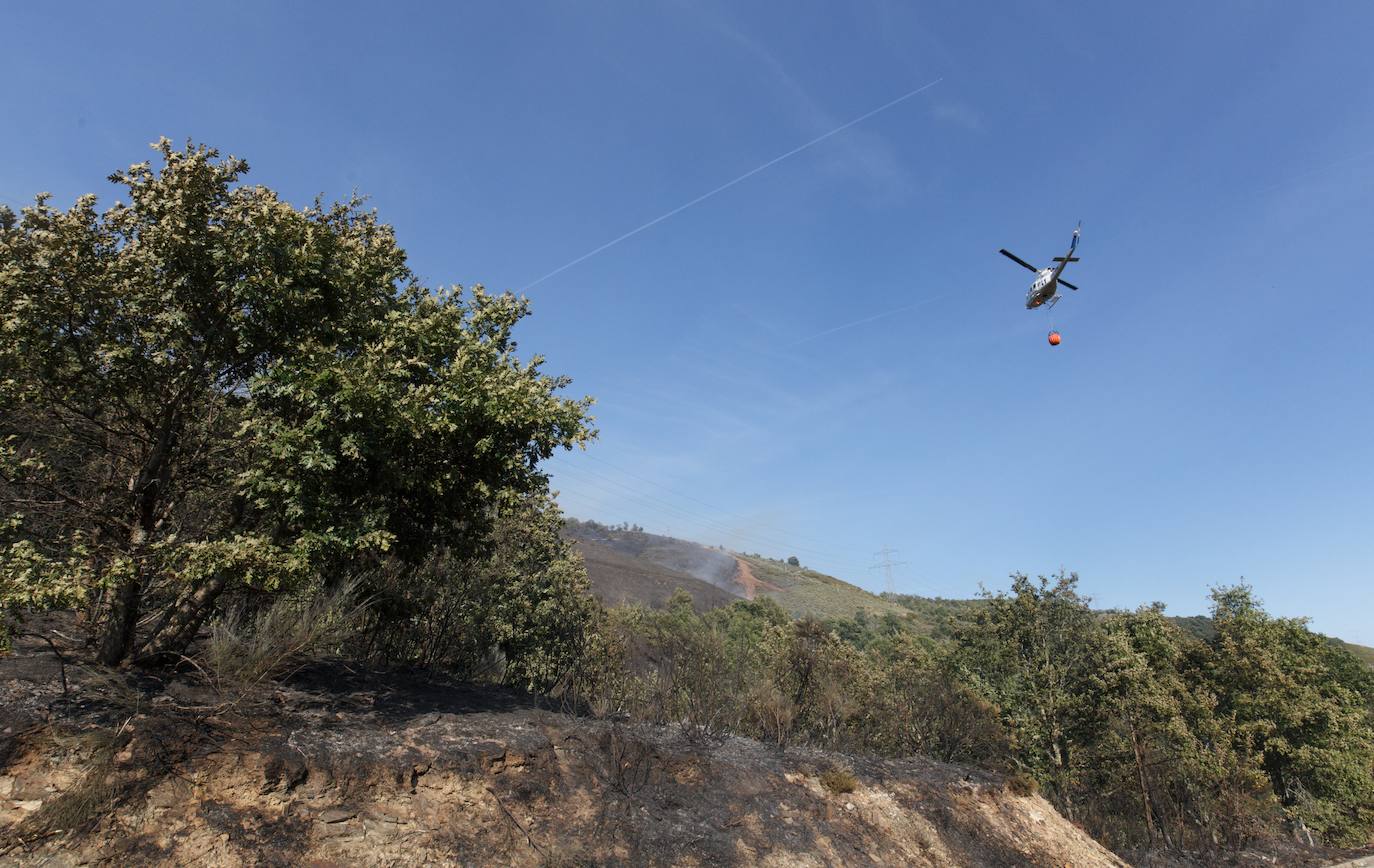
{"x": 1044, "y": 291}
{"x": 1045, "y": 287}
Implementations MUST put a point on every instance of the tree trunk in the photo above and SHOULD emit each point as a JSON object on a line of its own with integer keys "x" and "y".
{"x": 118, "y": 640}
{"x": 179, "y": 627}
{"x": 1144, "y": 786}
{"x": 145, "y": 489}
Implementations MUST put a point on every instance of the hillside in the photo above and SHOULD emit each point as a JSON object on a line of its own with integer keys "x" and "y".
{"x": 801, "y": 592}
{"x": 343, "y": 765}
{"x": 1363, "y": 652}
{"x": 630, "y": 566}
{"x": 619, "y": 579}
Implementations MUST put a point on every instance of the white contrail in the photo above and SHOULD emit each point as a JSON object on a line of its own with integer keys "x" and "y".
{"x": 869, "y": 319}
{"x": 1322, "y": 168}
{"x": 727, "y": 185}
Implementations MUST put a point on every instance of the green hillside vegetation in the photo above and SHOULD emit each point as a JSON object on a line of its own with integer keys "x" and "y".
{"x": 1361, "y": 652}
{"x": 641, "y": 573}
{"x": 802, "y": 592}
{"x": 1146, "y": 735}
{"x": 1201, "y": 627}
{"x": 935, "y": 615}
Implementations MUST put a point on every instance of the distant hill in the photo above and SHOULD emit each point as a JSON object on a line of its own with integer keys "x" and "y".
{"x": 1363, "y": 652}
{"x": 805, "y": 592}
{"x": 619, "y": 580}
{"x": 627, "y": 565}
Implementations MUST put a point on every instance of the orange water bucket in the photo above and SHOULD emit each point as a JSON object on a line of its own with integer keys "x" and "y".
{"x": 1054, "y": 339}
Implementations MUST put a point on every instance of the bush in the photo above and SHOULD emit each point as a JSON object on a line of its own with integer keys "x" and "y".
{"x": 839, "y": 780}
{"x": 515, "y": 613}
{"x": 1023, "y": 784}
{"x": 245, "y": 649}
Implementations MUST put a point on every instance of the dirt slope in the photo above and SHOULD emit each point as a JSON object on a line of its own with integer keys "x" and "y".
{"x": 744, "y": 577}
{"x": 349, "y": 767}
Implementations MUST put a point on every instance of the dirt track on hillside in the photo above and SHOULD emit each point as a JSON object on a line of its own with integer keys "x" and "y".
{"x": 744, "y": 577}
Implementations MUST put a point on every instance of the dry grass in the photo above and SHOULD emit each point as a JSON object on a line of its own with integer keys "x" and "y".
{"x": 839, "y": 780}
{"x": 95, "y": 795}
{"x": 243, "y": 652}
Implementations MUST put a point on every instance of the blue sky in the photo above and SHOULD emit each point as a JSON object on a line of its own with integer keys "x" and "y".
{"x": 1207, "y": 417}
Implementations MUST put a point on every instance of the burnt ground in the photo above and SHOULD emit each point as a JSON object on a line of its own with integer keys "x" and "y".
{"x": 619, "y": 579}
{"x": 346, "y": 765}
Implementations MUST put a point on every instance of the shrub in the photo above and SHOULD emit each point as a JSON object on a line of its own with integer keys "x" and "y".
{"x": 515, "y": 612}
{"x": 245, "y": 649}
{"x": 1023, "y": 784}
{"x": 839, "y": 780}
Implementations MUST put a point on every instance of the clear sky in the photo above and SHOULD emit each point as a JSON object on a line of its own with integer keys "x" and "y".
{"x": 1207, "y": 417}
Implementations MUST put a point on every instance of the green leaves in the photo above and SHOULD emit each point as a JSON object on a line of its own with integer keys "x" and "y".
{"x": 1149, "y": 735}
{"x": 1305, "y": 706}
{"x": 220, "y": 389}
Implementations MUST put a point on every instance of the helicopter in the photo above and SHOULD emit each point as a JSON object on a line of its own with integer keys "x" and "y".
{"x": 1044, "y": 292}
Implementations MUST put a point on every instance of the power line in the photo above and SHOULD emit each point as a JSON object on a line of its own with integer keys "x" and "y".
{"x": 709, "y": 506}
{"x": 715, "y": 510}
{"x": 886, "y": 566}
{"x": 728, "y": 184}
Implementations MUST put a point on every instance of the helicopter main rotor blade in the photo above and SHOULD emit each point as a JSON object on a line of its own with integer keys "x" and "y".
{"x": 1063, "y": 282}
{"x": 1018, "y": 260}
